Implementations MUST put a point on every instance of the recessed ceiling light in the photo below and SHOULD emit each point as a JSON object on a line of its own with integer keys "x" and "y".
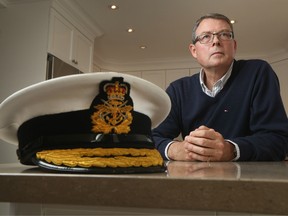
{"x": 232, "y": 21}
{"x": 130, "y": 30}
{"x": 143, "y": 47}
{"x": 113, "y": 7}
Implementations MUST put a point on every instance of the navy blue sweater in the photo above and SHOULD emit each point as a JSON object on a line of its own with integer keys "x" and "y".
{"x": 248, "y": 111}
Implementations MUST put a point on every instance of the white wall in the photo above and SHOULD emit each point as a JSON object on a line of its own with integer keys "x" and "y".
{"x": 281, "y": 69}
{"x": 23, "y": 52}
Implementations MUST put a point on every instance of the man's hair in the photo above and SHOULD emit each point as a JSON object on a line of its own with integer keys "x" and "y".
{"x": 211, "y": 16}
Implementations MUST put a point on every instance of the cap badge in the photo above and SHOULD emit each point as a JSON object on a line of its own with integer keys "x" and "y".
{"x": 112, "y": 108}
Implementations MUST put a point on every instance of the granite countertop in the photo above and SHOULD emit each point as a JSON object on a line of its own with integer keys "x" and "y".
{"x": 258, "y": 187}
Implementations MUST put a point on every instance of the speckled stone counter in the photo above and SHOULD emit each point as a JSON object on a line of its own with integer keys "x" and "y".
{"x": 254, "y": 187}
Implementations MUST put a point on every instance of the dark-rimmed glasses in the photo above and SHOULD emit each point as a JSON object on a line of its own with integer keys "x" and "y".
{"x": 208, "y": 37}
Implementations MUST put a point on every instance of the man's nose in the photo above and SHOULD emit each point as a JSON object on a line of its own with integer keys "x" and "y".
{"x": 215, "y": 40}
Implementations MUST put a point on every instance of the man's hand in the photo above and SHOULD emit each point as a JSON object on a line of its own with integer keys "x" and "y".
{"x": 202, "y": 144}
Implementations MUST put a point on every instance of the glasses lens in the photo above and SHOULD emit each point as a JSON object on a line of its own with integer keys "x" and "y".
{"x": 205, "y": 38}
{"x": 224, "y": 36}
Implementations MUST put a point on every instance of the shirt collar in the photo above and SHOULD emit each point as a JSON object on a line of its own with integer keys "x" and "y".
{"x": 218, "y": 85}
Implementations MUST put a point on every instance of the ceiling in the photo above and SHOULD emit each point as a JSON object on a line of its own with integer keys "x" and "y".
{"x": 164, "y": 26}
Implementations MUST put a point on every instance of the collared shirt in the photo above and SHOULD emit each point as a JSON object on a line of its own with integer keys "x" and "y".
{"x": 217, "y": 87}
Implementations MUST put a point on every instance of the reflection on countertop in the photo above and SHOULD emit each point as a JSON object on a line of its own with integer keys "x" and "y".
{"x": 266, "y": 171}
{"x": 203, "y": 170}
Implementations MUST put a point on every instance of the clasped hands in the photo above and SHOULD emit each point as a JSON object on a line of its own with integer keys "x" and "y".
{"x": 202, "y": 144}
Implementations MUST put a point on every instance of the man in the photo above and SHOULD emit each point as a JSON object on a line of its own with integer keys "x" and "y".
{"x": 230, "y": 111}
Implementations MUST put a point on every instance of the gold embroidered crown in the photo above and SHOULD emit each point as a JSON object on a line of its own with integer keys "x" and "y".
{"x": 116, "y": 91}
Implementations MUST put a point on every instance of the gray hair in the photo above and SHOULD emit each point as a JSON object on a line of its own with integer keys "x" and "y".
{"x": 211, "y": 16}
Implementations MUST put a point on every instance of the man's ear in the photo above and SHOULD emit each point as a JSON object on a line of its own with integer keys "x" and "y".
{"x": 192, "y": 49}
{"x": 235, "y": 45}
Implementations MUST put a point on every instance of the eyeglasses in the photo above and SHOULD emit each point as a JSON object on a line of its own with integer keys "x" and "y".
{"x": 208, "y": 37}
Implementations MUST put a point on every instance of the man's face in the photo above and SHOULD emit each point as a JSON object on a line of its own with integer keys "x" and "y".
{"x": 216, "y": 54}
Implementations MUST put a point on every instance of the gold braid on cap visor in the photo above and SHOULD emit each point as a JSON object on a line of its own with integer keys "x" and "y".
{"x": 101, "y": 157}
